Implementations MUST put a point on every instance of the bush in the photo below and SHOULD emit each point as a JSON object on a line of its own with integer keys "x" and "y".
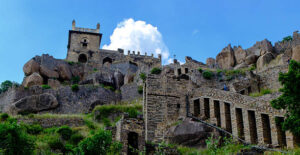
{"x": 140, "y": 89}
{"x": 75, "y": 79}
{"x": 288, "y": 38}
{"x": 252, "y": 68}
{"x": 14, "y": 140}
{"x": 97, "y": 144}
{"x": 44, "y": 86}
{"x": 200, "y": 70}
{"x": 65, "y": 132}
{"x": 33, "y": 129}
{"x": 75, "y": 87}
{"x": 109, "y": 88}
{"x": 76, "y": 138}
{"x": 4, "y": 116}
{"x": 207, "y": 74}
{"x": 143, "y": 76}
{"x": 106, "y": 122}
{"x": 133, "y": 113}
{"x": 104, "y": 111}
{"x": 55, "y": 143}
{"x": 155, "y": 70}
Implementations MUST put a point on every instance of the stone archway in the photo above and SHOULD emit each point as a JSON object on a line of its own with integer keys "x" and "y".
{"x": 82, "y": 58}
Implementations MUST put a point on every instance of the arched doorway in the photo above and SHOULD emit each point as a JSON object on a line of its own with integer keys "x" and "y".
{"x": 82, "y": 58}
{"x": 133, "y": 146}
{"x": 107, "y": 61}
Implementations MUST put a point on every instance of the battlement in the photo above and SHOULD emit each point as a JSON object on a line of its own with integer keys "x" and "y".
{"x": 138, "y": 54}
{"x": 89, "y": 30}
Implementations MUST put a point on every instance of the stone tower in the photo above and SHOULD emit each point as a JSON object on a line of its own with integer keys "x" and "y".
{"x": 83, "y": 43}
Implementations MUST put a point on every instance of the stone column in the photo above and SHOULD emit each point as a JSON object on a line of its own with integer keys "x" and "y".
{"x": 259, "y": 126}
{"x": 233, "y": 121}
{"x": 246, "y": 126}
{"x": 274, "y": 132}
{"x": 222, "y": 115}
{"x": 212, "y": 115}
{"x": 289, "y": 139}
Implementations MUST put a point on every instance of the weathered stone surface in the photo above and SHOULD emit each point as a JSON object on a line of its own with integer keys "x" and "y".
{"x": 211, "y": 62}
{"x": 54, "y": 122}
{"x": 53, "y": 83}
{"x": 35, "y": 103}
{"x": 259, "y": 46}
{"x": 296, "y": 53}
{"x": 190, "y": 133}
{"x": 240, "y": 54}
{"x": 33, "y": 79}
{"x": 64, "y": 71}
{"x": 130, "y": 92}
{"x": 118, "y": 79}
{"x": 30, "y": 67}
{"x": 241, "y": 65}
{"x": 44, "y": 71}
{"x": 225, "y": 59}
{"x": 129, "y": 77}
{"x": 263, "y": 60}
{"x": 251, "y": 59}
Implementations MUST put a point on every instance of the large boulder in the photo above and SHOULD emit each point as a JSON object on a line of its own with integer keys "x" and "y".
{"x": 30, "y": 67}
{"x": 251, "y": 59}
{"x": 296, "y": 53}
{"x": 33, "y": 79}
{"x": 53, "y": 83}
{"x": 190, "y": 133}
{"x": 263, "y": 61}
{"x": 225, "y": 59}
{"x": 239, "y": 54}
{"x": 258, "y": 47}
{"x": 34, "y": 103}
{"x": 64, "y": 71}
{"x": 46, "y": 72}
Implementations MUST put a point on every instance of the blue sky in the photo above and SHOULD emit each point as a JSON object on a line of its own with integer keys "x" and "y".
{"x": 195, "y": 28}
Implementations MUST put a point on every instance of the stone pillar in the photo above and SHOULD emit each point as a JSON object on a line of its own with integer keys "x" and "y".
{"x": 246, "y": 126}
{"x": 213, "y": 118}
{"x": 73, "y": 25}
{"x": 128, "y": 53}
{"x": 222, "y": 113}
{"x": 259, "y": 126}
{"x": 274, "y": 132}
{"x": 289, "y": 139}
{"x": 234, "y": 121}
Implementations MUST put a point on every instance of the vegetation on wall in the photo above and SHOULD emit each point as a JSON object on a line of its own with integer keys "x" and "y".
{"x": 143, "y": 76}
{"x": 290, "y": 98}
{"x": 288, "y": 38}
{"x": 140, "y": 89}
{"x": 208, "y": 74}
{"x": 155, "y": 70}
{"x": 261, "y": 93}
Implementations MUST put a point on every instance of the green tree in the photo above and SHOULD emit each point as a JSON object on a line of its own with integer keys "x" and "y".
{"x": 14, "y": 140}
{"x": 6, "y": 85}
{"x": 97, "y": 144}
{"x": 290, "y": 99}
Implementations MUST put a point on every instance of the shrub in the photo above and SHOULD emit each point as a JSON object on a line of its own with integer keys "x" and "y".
{"x": 44, "y": 86}
{"x": 106, "y": 122}
{"x": 71, "y": 63}
{"x": 143, "y": 76}
{"x": 109, "y": 88}
{"x": 75, "y": 87}
{"x": 104, "y": 111}
{"x": 76, "y": 138}
{"x": 115, "y": 148}
{"x": 65, "y": 132}
{"x": 33, "y": 129}
{"x": 97, "y": 144}
{"x": 155, "y": 70}
{"x": 75, "y": 79}
{"x": 288, "y": 38}
{"x": 133, "y": 113}
{"x": 252, "y": 68}
{"x": 207, "y": 74}
{"x": 140, "y": 89}
{"x": 14, "y": 140}
{"x": 4, "y": 116}
{"x": 55, "y": 143}
{"x": 95, "y": 70}
{"x": 200, "y": 70}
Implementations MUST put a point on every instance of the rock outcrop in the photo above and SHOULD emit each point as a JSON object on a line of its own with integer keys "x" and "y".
{"x": 225, "y": 59}
{"x": 32, "y": 80}
{"x": 296, "y": 53}
{"x": 264, "y": 60}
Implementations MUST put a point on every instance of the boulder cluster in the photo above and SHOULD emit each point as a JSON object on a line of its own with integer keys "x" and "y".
{"x": 260, "y": 54}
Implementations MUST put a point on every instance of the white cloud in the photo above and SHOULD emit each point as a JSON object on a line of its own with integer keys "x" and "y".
{"x": 138, "y": 36}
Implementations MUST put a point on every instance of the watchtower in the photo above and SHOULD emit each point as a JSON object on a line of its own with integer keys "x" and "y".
{"x": 83, "y": 43}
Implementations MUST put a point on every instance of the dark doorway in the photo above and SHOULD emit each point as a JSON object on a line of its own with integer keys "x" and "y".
{"x": 266, "y": 128}
{"x": 252, "y": 127}
{"x": 240, "y": 123}
{"x": 206, "y": 108}
{"x": 280, "y": 133}
{"x": 107, "y": 60}
{"x": 179, "y": 71}
{"x": 196, "y": 107}
{"x": 133, "y": 146}
{"x": 228, "y": 117}
{"x": 186, "y": 70}
{"x": 217, "y": 112}
{"x": 82, "y": 58}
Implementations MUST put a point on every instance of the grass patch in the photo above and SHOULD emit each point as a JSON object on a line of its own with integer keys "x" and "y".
{"x": 140, "y": 89}
{"x": 208, "y": 75}
{"x": 44, "y": 86}
{"x": 261, "y": 93}
{"x": 155, "y": 70}
{"x": 75, "y": 87}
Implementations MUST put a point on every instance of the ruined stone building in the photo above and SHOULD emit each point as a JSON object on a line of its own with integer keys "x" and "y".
{"x": 180, "y": 90}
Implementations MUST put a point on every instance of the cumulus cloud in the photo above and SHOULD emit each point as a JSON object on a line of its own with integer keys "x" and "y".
{"x": 138, "y": 36}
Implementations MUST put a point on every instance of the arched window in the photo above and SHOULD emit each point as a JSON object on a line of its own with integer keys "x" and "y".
{"x": 82, "y": 58}
{"x": 84, "y": 42}
{"x": 107, "y": 60}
